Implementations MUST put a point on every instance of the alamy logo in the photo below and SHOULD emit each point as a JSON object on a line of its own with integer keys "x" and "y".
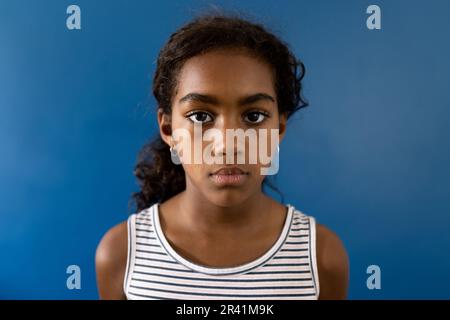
{"x": 374, "y": 280}
{"x": 74, "y": 280}
{"x": 374, "y": 20}
{"x": 220, "y": 146}
{"x": 74, "y": 20}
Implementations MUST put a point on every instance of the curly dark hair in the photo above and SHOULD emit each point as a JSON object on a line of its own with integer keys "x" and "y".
{"x": 158, "y": 177}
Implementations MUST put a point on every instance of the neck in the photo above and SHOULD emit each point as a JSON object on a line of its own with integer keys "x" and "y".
{"x": 206, "y": 217}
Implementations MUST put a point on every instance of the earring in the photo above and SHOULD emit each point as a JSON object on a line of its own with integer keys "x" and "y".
{"x": 174, "y": 156}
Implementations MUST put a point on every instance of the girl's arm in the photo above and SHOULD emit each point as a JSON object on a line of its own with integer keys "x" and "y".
{"x": 110, "y": 263}
{"x": 332, "y": 264}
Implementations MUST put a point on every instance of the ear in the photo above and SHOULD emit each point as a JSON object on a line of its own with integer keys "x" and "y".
{"x": 282, "y": 126}
{"x": 165, "y": 126}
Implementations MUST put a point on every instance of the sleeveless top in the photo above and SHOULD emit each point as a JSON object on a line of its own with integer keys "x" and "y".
{"x": 154, "y": 270}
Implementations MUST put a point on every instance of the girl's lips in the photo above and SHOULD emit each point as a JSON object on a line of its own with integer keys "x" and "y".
{"x": 229, "y": 179}
{"x": 229, "y": 171}
{"x": 229, "y": 176}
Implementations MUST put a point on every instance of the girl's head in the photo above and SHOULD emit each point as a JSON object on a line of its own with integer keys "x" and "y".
{"x": 224, "y": 73}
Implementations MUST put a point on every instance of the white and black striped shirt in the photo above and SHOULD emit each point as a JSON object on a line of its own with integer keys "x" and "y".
{"x": 288, "y": 270}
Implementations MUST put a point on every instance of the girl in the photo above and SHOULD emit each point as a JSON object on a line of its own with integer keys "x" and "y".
{"x": 208, "y": 231}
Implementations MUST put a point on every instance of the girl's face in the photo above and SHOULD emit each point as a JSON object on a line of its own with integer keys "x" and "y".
{"x": 222, "y": 90}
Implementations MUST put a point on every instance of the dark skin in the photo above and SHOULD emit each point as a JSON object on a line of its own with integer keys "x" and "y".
{"x": 222, "y": 226}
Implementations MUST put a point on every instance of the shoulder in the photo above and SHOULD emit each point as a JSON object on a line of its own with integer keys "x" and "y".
{"x": 332, "y": 264}
{"x": 111, "y": 261}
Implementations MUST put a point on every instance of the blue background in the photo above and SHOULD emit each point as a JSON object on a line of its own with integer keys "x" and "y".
{"x": 369, "y": 157}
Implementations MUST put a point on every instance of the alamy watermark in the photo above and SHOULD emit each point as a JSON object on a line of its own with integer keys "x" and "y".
{"x": 374, "y": 20}
{"x": 74, "y": 279}
{"x": 73, "y": 22}
{"x": 191, "y": 150}
{"x": 374, "y": 280}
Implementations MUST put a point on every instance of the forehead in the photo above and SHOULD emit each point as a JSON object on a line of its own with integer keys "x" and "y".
{"x": 227, "y": 73}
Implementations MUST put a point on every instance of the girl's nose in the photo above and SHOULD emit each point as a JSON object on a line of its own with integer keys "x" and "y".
{"x": 227, "y": 145}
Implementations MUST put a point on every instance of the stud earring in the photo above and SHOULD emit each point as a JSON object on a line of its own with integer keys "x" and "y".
{"x": 174, "y": 156}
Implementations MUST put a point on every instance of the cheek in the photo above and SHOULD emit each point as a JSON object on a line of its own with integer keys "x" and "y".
{"x": 263, "y": 149}
{"x": 255, "y": 173}
{"x": 194, "y": 171}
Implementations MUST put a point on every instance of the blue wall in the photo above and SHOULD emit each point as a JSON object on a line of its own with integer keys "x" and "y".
{"x": 370, "y": 155}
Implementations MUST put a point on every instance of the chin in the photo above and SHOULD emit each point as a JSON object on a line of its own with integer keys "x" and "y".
{"x": 227, "y": 197}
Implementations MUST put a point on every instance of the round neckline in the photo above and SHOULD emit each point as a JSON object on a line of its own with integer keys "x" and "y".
{"x": 223, "y": 270}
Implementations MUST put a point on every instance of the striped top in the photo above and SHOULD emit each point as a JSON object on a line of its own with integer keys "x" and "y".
{"x": 288, "y": 270}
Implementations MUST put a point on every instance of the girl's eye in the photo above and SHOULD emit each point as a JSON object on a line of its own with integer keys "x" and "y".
{"x": 256, "y": 116}
{"x": 199, "y": 117}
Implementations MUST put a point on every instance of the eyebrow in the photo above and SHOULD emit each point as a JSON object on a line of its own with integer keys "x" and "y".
{"x": 198, "y": 97}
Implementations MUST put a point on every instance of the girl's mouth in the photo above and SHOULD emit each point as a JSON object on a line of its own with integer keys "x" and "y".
{"x": 232, "y": 176}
